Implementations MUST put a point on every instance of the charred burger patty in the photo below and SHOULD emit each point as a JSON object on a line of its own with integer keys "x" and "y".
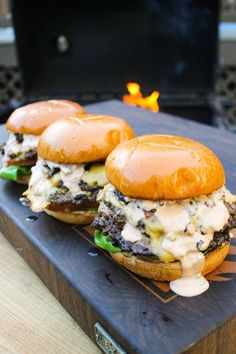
{"x": 70, "y": 169}
{"x": 65, "y": 187}
{"x": 166, "y": 214}
{"x": 20, "y": 149}
{"x": 25, "y": 125}
{"x": 116, "y": 212}
{"x": 19, "y": 155}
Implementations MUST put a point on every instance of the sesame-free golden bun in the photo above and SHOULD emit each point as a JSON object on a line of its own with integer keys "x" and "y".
{"x": 76, "y": 218}
{"x": 34, "y": 118}
{"x": 161, "y": 271}
{"x": 76, "y": 140}
{"x": 164, "y": 167}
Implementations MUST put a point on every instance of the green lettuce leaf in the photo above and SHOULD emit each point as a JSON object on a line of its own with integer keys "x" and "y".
{"x": 105, "y": 242}
{"x": 12, "y": 173}
{"x": 209, "y": 249}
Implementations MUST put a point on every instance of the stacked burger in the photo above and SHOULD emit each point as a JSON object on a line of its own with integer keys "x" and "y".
{"x": 166, "y": 214}
{"x": 70, "y": 172}
{"x": 25, "y": 125}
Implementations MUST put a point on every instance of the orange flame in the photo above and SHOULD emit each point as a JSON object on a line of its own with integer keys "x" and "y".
{"x": 135, "y": 98}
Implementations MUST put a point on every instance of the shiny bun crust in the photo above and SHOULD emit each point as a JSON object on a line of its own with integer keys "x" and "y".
{"x": 34, "y": 118}
{"x": 75, "y": 140}
{"x": 159, "y": 167}
{"x": 76, "y": 218}
{"x": 167, "y": 271}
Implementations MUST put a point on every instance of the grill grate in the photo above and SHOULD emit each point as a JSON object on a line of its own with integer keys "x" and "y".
{"x": 10, "y": 85}
{"x": 227, "y": 82}
{"x": 11, "y": 88}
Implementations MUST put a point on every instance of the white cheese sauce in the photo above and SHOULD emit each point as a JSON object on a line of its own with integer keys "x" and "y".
{"x": 172, "y": 218}
{"x": 130, "y": 233}
{"x": 69, "y": 174}
{"x": 30, "y": 142}
{"x": 133, "y": 214}
{"x": 178, "y": 230}
{"x": 41, "y": 186}
{"x": 39, "y": 189}
{"x": 192, "y": 283}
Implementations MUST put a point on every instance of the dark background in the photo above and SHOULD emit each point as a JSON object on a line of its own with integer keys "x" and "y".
{"x": 168, "y": 45}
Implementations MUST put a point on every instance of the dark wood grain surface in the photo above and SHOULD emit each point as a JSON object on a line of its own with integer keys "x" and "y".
{"x": 142, "y": 316}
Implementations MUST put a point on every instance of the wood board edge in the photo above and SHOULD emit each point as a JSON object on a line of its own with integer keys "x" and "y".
{"x": 74, "y": 303}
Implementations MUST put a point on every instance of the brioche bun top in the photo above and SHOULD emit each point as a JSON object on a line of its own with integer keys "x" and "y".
{"x": 35, "y": 117}
{"x": 165, "y": 167}
{"x": 76, "y": 140}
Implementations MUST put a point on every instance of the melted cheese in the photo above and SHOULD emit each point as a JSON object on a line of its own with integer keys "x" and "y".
{"x": 96, "y": 174}
{"x": 30, "y": 142}
{"x": 69, "y": 174}
{"x": 180, "y": 245}
{"x": 130, "y": 233}
{"x": 41, "y": 187}
{"x": 212, "y": 219}
{"x": 172, "y": 218}
{"x": 133, "y": 214}
{"x": 147, "y": 204}
{"x": 107, "y": 194}
{"x": 178, "y": 230}
{"x": 183, "y": 224}
{"x": 159, "y": 251}
{"x": 229, "y": 197}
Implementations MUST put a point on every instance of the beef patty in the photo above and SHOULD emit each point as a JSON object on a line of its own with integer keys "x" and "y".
{"x": 112, "y": 223}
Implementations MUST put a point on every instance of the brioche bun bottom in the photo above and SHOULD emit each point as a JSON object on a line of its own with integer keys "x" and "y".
{"x": 156, "y": 270}
{"x": 76, "y": 218}
{"x": 23, "y": 179}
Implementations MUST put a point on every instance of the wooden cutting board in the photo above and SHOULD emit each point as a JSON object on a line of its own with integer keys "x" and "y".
{"x": 132, "y": 313}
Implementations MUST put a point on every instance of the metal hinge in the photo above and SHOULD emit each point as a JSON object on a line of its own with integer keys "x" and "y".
{"x": 106, "y": 342}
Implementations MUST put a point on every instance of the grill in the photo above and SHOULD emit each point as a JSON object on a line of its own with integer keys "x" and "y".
{"x": 88, "y": 51}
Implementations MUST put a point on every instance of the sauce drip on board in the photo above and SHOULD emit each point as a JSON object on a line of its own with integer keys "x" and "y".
{"x": 191, "y": 283}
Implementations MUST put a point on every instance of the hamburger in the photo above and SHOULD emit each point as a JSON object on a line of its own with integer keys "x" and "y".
{"x": 70, "y": 172}
{"x": 166, "y": 214}
{"x": 25, "y": 126}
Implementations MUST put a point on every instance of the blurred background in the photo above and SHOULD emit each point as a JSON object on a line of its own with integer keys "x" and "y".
{"x": 89, "y": 51}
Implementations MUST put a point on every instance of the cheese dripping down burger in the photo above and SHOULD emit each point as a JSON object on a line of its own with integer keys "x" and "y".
{"x": 166, "y": 214}
{"x": 25, "y": 125}
{"x": 70, "y": 169}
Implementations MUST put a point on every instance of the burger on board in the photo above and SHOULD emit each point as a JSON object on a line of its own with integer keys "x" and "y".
{"x": 166, "y": 214}
{"x": 70, "y": 169}
{"x": 25, "y": 125}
